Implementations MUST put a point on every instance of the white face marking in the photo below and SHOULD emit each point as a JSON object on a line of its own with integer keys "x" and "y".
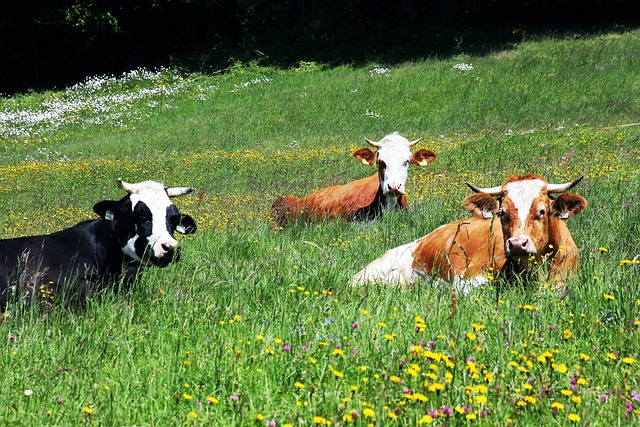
{"x": 394, "y": 152}
{"x": 154, "y": 196}
{"x": 522, "y": 194}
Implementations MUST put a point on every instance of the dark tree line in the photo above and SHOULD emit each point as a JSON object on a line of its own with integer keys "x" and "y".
{"x": 56, "y": 42}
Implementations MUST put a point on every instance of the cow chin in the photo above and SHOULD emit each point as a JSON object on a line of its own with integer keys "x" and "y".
{"x": 164, "y": 260}
{"x": 393, "y": 197}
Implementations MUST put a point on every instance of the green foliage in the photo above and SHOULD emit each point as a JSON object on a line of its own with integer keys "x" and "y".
{"x": 256, "y": 325}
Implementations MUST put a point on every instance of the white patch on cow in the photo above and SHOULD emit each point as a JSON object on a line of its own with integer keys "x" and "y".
{"x": 155, "y": 197}
{"x": 393, "y": 267}
{"x": 464, "y": 286}
{"x": 394, "y": 151}
{"x": 522, "y": 194}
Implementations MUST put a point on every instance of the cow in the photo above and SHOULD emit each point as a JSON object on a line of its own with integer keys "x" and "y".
{"x": 112, "y": 250}
{"x": 365, "y": 198}
{"x": 516, "y": 228}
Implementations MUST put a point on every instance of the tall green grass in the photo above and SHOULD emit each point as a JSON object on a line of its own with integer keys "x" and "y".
{"x": 256, "y": 326}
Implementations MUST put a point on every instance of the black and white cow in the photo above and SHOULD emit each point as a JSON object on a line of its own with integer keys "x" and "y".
{"x": 131, "y": 233}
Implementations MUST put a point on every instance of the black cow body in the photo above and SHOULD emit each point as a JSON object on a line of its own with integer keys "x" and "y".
{"x": 97, "y": 253}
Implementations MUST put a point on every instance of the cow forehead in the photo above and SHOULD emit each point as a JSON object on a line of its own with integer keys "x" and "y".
{"x": 523, "y": 193}
{"x": 394, "y": 152}
{"x": 152, "y": 195}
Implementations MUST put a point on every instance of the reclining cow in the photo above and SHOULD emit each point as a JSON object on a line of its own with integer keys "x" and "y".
{"x": 131, "y": 233}
{"x": 365, "y": 198}
{"x": 529, "y": 231}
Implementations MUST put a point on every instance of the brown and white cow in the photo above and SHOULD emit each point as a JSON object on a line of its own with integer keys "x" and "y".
{"x": 365, "y": 198}
{"x": 515, "y": 227}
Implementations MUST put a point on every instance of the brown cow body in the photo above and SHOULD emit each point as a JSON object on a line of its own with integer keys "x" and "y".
{"x": 365, "y": 198}
{"x": 359, "y": 199}
{"x": 523, "y": 231}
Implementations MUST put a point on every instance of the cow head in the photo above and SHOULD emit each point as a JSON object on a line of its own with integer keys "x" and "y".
{"x": 393, "y": 157}
{"x": 527, "y": 211}
{"x": 145, "y": 220}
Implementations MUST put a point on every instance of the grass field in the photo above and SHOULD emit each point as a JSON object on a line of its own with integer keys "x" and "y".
{"x": 259, "y": 327}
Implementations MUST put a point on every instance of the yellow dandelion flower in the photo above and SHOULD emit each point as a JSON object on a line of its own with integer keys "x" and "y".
{"x": 574, "y": 417}
{"x": 426, "y": 419}
{"x": 369, "y": 413}
{"x": 320, "y": 420}
{"x": 420, "y": 397}
{"x": 192, "y": 415}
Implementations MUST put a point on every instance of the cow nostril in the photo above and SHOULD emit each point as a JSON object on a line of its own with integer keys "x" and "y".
{"x": 167, "y": 247}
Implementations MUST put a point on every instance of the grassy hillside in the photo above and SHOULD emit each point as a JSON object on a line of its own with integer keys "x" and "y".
{"x": 256, "y": 326}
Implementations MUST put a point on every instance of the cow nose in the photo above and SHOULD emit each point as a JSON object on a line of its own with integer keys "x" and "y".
{"x": 168, "y": 247}
{"x": 518, "y": 246}
{"x": 394, "y": 187}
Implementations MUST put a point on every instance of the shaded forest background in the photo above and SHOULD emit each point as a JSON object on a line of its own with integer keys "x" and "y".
{"x": 53, "y": 43}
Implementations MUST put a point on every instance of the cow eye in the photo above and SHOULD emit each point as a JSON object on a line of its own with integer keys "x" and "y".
{"x": 541, "y": 213}
{"x": 502, "y": 213}
{"x": 406, "y": 163}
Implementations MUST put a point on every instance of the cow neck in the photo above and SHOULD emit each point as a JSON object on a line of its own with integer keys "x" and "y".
{"x": 108, "y": 251}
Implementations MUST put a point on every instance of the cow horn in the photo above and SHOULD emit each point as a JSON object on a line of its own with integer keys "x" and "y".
{"x": 561, "y": 188}
{"x": 178, "y": 191}
{"x": 493, "y": 191}
{"x": 414, "y": 142}
{"x": 129, "y": 188}
{"x": 372, "y": 143}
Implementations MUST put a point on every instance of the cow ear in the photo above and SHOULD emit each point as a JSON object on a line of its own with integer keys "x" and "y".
{"x": 109, "y": 209}
{"x": 568, "y": 205}
{"x": 366, "y": 156}
{"x": 187, "y": 225}
{"x": 481, "y": 205}
{"x": 423, "y": 157}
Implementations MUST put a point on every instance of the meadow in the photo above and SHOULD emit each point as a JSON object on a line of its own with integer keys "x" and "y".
{"x": 257, "y": 326}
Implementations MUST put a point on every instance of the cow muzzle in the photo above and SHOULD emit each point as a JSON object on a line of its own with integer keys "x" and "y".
{"x": 161, "y": 254}
{"x": 519, "y": 246}
{"x": 165, "y": 259}
{"x": 394, "y": 189}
